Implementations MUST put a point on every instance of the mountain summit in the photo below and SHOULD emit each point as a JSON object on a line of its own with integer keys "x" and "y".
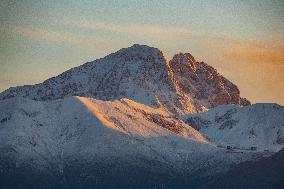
{"x": 141, "y": 73}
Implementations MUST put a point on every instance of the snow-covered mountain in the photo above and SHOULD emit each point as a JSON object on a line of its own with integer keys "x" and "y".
{"x": 76, "y": 140}
{"x": 132, "y": 120}
{"x": 259, "y": 125}
{"x": 140, "y": 73}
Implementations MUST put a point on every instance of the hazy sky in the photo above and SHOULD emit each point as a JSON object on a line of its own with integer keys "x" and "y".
{"x": 243, "y": 39}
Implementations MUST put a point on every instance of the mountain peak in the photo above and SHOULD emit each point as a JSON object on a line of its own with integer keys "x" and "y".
{"x": 145, "y": 48}
{"x": 184, "y": 59}
{"x": 140, "y": 73}
{"x": 140, "y": 52}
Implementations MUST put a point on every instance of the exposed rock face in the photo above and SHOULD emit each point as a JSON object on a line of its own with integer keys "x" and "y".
{"x": 244, "y": 102}
{"x": 142, "y": 74}
{"x": 203, "y": 82}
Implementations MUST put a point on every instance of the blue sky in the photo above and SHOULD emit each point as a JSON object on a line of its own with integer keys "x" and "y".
{"x": 244, "y": 40}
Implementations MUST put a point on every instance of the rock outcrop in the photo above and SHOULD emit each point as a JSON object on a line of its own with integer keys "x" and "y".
{"x": 203, "y": 83}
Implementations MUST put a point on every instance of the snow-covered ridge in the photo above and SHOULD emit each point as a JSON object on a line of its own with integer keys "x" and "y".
{"x": 259, "y": 126}
{"x": 140, "y": 73}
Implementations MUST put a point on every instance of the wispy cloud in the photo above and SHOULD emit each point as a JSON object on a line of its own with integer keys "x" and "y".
{"x": 244, "y": 50}
{"x": 224, "y": 47}
{"x": 254, "y": 51}
{"x": 145, "y": 30}
{"x": 50, "y": 36}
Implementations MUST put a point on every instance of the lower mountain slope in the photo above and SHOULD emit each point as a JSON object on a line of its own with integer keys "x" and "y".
{"x": 267, "y": 172}
{"x": 83, "y": 142}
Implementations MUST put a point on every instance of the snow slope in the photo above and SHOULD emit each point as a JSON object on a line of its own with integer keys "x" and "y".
{"x": 259, "y": 125}
{"x": 75, "y": 141}
{"x": 49, "y": 132}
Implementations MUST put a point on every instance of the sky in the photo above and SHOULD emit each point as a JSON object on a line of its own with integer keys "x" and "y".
{"x": 243, "y": 40}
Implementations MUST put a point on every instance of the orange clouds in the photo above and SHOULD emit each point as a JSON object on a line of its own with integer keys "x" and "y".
{"x": 255, "y": 52}
{"x": 219, "y": 46}
{"x": 242, "y": 50}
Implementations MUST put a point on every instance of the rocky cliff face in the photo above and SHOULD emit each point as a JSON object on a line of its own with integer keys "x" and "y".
{"x": 142, "y": 74}
{"x": 203, "y": 83}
